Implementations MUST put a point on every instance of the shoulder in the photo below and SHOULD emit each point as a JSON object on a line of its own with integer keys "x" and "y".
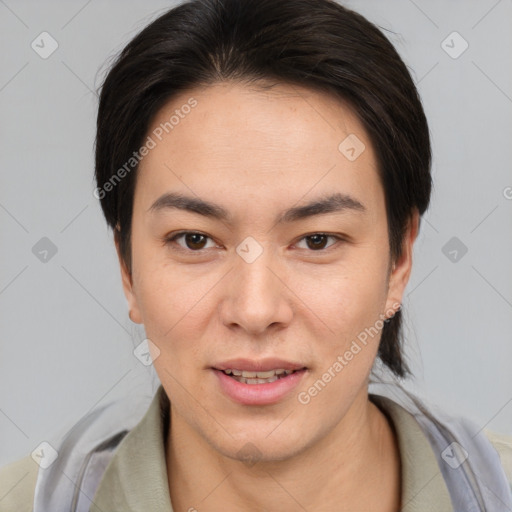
{"x": 503, "y": 445}
{"x": 17, "y": 485}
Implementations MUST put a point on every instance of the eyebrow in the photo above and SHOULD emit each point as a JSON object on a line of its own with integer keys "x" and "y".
{"x": 333, "y": 203}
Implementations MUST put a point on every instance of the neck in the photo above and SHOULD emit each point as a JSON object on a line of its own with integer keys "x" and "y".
{"x": 355, "y": 467}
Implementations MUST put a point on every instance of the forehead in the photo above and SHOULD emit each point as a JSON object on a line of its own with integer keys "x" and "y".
{"x": 273, "y": 143}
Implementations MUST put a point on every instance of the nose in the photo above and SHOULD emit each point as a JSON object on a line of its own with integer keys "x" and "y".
{"x": 257, "y": 296}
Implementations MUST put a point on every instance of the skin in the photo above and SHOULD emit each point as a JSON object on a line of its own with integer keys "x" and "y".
{"x": 256, "y": 153}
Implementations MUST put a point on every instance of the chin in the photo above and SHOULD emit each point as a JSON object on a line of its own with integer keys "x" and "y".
{"x": 253, "y": 445}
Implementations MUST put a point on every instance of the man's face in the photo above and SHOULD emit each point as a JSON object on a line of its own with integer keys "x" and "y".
{"x": 257, "y": 289}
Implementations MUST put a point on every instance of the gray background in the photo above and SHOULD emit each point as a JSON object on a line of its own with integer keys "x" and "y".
{"x": 66, "y": 343}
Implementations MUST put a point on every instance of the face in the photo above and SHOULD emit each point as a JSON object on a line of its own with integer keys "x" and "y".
{"x": 259, "y": 244}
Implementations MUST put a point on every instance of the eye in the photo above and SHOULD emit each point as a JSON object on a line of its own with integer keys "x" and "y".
{"x": 192, "y": 240}
{"x": 317, "y": 241}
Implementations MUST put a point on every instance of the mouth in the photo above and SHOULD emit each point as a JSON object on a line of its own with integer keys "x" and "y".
{"x": 263, "y": 382}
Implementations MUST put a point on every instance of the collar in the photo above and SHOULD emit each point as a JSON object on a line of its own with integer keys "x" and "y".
{"x": 423, "y": 485}
{"x": 136, "y": 476}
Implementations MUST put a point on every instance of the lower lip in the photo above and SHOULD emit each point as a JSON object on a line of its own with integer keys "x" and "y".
{"x": 259, "y": 394}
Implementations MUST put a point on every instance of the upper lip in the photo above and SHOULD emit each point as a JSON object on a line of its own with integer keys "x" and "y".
{"x": 258, "y": 365}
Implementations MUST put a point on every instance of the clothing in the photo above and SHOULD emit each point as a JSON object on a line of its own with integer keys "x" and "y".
{"x": 135, "y": 478}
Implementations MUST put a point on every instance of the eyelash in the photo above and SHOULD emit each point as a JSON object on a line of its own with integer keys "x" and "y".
{"x": 172, "y": 239}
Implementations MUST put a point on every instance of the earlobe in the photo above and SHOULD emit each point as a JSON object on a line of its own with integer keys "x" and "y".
{"x": 127, "y": 282}
{"x": 132, "y": 318}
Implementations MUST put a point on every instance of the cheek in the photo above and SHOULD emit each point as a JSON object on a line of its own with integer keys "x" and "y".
{"x": 348, "y": 297}
{"x": 173, "y": 306}
{"x": 352, "y": 306}
{"x": 171, "y": 302}
{"x": 166, "y": 291}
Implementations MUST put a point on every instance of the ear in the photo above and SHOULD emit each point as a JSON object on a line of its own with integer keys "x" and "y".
{"x": 401, "y": 269}
{"x": 126, "y": 278}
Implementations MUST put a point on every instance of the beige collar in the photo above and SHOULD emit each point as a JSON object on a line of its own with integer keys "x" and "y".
{"x": 136, "y": 477}
{"x": 423, "y": 485}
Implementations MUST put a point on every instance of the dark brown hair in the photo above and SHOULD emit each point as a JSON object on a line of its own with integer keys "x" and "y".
{"x": 312, "y": 43}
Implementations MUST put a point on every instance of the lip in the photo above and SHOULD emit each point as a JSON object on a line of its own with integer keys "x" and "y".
{"x": 259, "y": 394}
{"x": 262, "y": 365}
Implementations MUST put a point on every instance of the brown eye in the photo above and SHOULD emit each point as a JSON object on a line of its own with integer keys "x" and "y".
{"x": 192, "y": 241}
{"x": 317, "y": 241}
{"x": 195, "y": 240}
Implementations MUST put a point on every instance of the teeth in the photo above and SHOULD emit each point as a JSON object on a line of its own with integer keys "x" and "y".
{"x": 259, "y": 375}
{"x": 256, "y": 381}
{"x": 248, "y": 377}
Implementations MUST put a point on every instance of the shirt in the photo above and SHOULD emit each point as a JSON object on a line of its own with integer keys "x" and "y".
{"x": 136, "y": 477}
